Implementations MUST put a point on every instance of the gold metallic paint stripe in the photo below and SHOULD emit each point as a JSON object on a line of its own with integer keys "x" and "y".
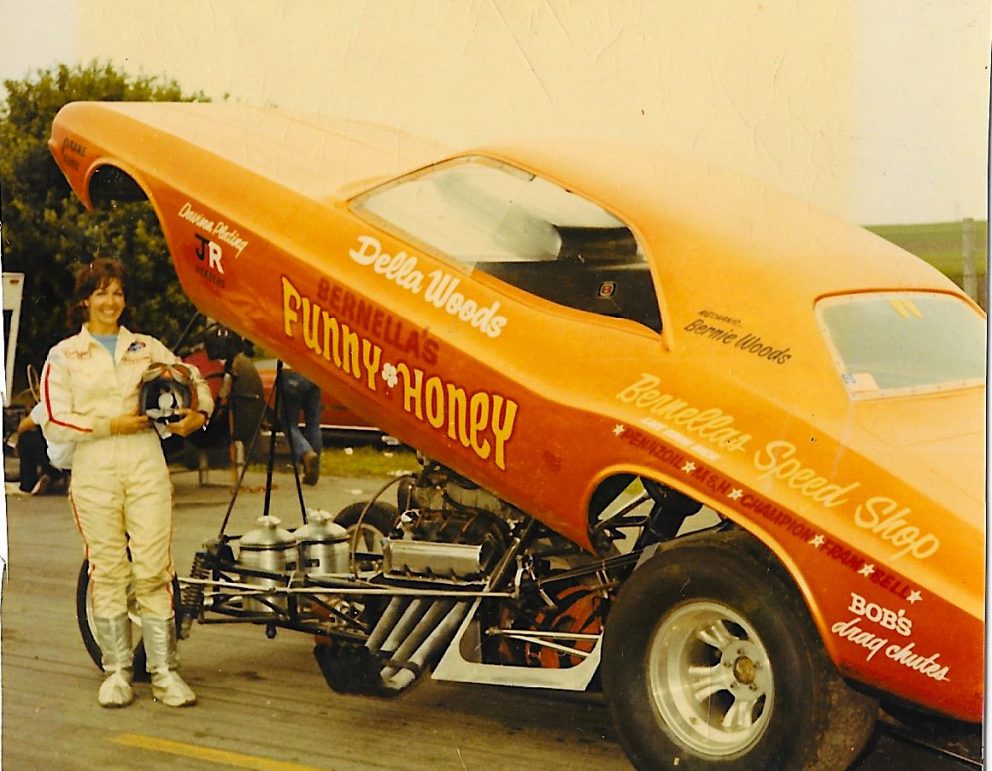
{"x": 236, "y": 759}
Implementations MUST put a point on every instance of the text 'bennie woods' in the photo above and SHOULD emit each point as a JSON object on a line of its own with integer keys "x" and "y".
{"x": 481, "y": 421}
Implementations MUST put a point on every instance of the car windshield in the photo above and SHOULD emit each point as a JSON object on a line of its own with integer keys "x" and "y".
{"x": 896, "y": 343}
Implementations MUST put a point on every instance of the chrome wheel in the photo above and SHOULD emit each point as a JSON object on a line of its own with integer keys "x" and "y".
{"x": 712, "y": 661}
{"x": 711, "y": 679}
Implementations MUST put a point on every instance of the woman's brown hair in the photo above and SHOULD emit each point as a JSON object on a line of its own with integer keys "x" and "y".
{"x": 89, "y": 278}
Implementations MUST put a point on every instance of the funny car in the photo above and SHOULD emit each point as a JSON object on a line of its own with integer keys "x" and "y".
{"x": 683, "y": 437}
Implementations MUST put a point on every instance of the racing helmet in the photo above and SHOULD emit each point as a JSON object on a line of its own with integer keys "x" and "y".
{"x": 165, "y": 390}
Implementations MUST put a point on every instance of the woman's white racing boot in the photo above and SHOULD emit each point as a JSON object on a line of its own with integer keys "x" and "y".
{"x": 113, "y": 635}
{"x": 168, "y": 687}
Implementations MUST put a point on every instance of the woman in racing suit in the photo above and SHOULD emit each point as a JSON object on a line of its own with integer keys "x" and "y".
{"x": 120, "y": 494}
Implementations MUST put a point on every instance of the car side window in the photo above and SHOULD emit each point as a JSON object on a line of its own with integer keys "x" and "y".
{"x": 524, "y": 230}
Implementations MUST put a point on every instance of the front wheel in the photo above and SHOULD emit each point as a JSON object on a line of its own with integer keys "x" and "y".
{"x": 711, "y": 661}
{"x": 84, "y": 617}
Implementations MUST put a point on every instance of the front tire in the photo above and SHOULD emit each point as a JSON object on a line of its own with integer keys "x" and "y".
{"x": 711, "y": 661}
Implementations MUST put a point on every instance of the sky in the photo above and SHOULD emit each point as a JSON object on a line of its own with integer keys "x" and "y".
{"x": 876, "y": 110}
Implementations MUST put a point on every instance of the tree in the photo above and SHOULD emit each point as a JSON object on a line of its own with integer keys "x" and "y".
{"x": 47, "y": 233}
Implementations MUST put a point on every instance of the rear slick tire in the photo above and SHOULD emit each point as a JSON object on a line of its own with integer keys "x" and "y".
{"x": 711, "y": 661}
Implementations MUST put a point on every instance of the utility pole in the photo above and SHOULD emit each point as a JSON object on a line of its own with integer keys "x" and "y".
{"x": 968, "y": 277}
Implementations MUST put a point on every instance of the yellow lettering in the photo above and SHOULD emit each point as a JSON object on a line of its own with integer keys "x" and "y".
{"x": 412, "y": 389}
{"x": 502, "y": 426}
{"x": 434, "y": 397}
{"x": 458, "y": 414}
{"x": 370, "y": 358}
{"x": 350, "y": 351}
{"x": 479, "y": 412}
{"x": 311, "y": 320}
{"x": 331, "y": 339}
{"x": 289, "y": 316}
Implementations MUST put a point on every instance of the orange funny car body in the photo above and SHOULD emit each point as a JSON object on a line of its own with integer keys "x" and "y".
{"x": 553, "y": 321}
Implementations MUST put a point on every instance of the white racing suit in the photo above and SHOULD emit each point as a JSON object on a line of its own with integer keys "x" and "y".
{"x": 120, "y": 484}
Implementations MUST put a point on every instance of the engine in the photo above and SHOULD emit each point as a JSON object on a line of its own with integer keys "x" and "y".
{"x": 455, "y": 549}
{"x": 450, "y": 529}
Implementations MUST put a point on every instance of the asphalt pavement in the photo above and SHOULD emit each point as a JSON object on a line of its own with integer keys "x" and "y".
{"x": 263, "y": 703}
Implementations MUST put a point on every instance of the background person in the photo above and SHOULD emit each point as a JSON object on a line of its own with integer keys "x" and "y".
{"x": 38, "y": 473}
{"x": 239, "y": 395}
{"x": 120, "y": 493}
{"x": 299, "y": 393}
{"x": 247, "y": 398}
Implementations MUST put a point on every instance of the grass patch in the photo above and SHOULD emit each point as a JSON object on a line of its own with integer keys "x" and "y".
{"x": 364, "y": 461}
{"x": 940, "y": 244}
{"x": 367, "y": 461}
{"x": 346, "y": 461}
